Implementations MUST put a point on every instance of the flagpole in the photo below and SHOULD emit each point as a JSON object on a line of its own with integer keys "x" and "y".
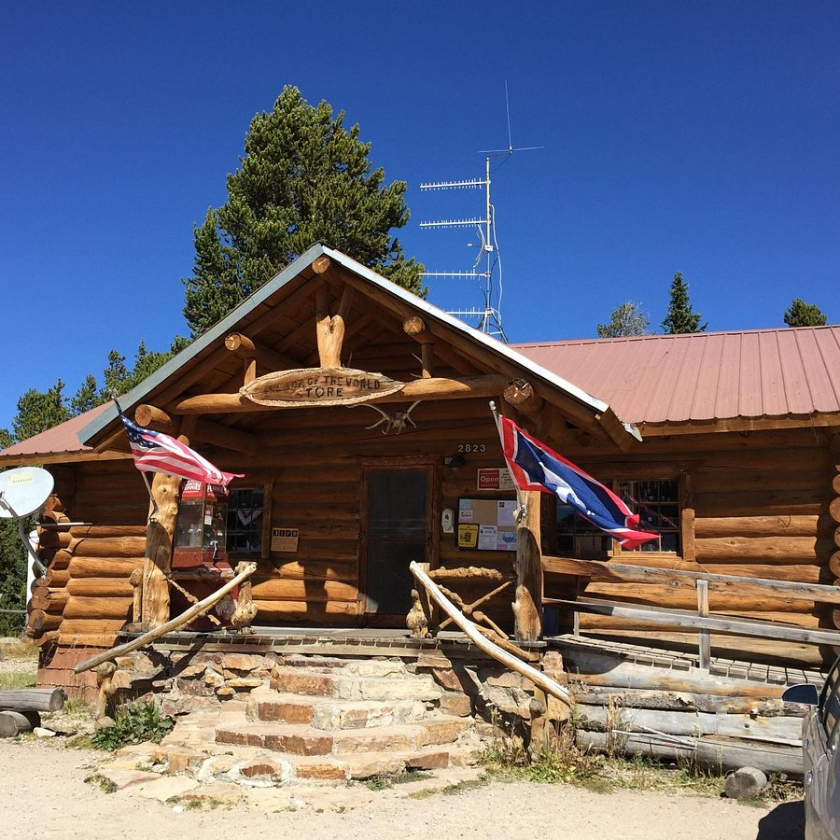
{"x": 153, "y": 514}
{"x": 521, "y": 506}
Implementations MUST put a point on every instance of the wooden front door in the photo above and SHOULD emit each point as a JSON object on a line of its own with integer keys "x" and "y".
{"x": 397, "y": 532}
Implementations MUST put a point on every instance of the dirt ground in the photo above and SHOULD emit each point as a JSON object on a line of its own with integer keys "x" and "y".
{"x": 43, "y": 794}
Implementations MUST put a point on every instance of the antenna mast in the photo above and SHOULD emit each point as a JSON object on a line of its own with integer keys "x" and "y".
{"x": 490, "y": 317}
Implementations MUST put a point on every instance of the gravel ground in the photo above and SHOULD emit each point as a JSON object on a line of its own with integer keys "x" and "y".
{"x": 44, "y": 795}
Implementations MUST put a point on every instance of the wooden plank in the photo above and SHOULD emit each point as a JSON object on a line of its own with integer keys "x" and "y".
{"x": 743, "y": 627}
{"x": 676, "y": 578}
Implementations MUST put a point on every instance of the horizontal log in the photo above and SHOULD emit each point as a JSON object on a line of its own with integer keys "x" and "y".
{"x": 592, "y": 667}
{"x": 92, "y": 607}
{"x": 100, "y": 587}
{"x": 290, "y": 589}
{"x": 685, "y": 580}
{"x": 744, "y": 479}
{"x": 109, "y": 546}
{"x": 741, "y": 627}
{"x": 764, "y": 502}
{"x": 728, "y": 600}
{"x": 472, "y": 574}
{"x": 302, "y": 610}
{"x": 56, "y": 578}
{"x": 759, "y": 548}
{"x": 684, "y": 701}
{"x": 108, "y": 531}
{"x": 346, "y": 570}
{"x": 33, "y": 699}
{"x": 94, "y": 567}
{"x": 43, "y": 599}
{"x": 757, "y": 526}
{"x": 778, "y": 730}
{"x": 419, "y": 389}
{"x": 717, "y": 755}
{"x": 41, "y": 622}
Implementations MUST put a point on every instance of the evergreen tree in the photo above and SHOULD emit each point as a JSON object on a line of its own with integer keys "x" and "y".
{"x": 803, "y": 314}
{"x": 85, "y": 398}
{"x": 304, "y": 179}
{"x": 38, "y": 411}
{"x": 626, "y": 319}
{"x": 680, "y": 318}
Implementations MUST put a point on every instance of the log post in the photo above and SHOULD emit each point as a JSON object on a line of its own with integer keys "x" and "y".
{"x": 157, "y": 563}
{"x": 136, "y": 580}
{"x": 529, "y": 580}
{"x": 705, "y": 636}
{"x": 330, "y": 329}
{"x": 104, "y": 675}
{"x": 427, "y": 352}
{"x": 246, "y": 610}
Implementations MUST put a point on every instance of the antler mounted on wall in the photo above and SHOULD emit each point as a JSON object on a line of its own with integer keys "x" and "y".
{"x": 394, "y": 423}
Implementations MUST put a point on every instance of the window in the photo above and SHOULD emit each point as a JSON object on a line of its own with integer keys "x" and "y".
{"x": 656, "y": 502}
{"x": 245, "y": 521}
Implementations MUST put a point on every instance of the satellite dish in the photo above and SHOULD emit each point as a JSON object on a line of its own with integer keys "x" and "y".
{"x": 23, "y": 490}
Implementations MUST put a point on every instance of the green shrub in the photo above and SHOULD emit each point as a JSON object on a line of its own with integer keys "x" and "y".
{"x": 134, "y": 723}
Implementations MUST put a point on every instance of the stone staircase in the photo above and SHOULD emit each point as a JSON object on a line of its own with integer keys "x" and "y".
{"x": 331, "y": 719}
{"x": 299, "y": 723}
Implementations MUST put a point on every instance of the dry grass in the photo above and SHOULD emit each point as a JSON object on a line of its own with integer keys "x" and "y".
{"x": 17, "y": 649}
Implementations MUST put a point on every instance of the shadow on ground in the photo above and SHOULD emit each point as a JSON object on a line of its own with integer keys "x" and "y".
{"x": 784, "y": 822}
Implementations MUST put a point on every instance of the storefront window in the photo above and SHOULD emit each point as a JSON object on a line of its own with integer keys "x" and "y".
{"x": 656, "y": 502}
{"x": 245, "y": 521}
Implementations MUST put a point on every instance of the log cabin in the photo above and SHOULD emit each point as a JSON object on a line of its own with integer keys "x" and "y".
{"x": 359, "y": 417}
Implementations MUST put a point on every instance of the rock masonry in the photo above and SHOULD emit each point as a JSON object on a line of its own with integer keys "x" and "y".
{"x": 249, "y": 722}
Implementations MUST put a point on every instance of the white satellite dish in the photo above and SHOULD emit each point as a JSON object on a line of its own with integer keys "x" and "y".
{"x": 23, "y": 490}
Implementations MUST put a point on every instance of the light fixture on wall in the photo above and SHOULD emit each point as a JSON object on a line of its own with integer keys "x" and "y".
{"x": 454, "y": 461}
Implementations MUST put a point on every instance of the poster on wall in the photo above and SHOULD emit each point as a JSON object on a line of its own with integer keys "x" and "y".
{"x": 487, "y": 524}
{"x": 285, "y": 539}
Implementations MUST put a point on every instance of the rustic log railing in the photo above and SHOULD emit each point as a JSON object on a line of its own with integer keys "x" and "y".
{"x": 704, "y": 583}
{"x": 480, "y": 640}
{"x": 188, "y": 615}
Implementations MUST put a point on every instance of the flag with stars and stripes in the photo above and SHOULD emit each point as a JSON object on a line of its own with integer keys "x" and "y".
{"x": 157, "y": 452}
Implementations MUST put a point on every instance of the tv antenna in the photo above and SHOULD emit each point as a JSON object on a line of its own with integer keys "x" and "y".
{"x": 490, "y": 317}
{"x": 22, "y": 492}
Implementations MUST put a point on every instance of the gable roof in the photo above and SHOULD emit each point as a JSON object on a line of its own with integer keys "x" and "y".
{"x": 259, "y": 306}
{"x": 758, "y": 377}
{"x": 271, "y": 311}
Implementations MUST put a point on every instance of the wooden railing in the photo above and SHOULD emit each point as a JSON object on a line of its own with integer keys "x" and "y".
{"x": 703, "y": 583}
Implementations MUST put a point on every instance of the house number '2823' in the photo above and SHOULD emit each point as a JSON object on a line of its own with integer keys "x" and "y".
{"x": 472, "y": 447}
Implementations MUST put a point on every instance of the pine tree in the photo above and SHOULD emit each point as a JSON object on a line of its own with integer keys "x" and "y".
{"x": 803, "y": 314}
{"x": 304, "y": 179}
{"x": 680, "y": 318}
{"x": 626, "y": 319}
{"x": 38, "y": 411}
{"x": 85, "y": 398}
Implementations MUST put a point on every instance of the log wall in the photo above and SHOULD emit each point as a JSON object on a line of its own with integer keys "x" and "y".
{"x": 759, "y": 504}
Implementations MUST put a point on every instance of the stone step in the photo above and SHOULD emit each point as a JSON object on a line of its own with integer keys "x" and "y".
{"x": 338, "y": 665}
{"x": 301, "y": 739}
{"x": 331, "y": 713}
{"x": 350, "y": 686}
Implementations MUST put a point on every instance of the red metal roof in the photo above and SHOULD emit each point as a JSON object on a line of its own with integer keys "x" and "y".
{"x": 60, "y": 440}
{"x": 704, "y": 376}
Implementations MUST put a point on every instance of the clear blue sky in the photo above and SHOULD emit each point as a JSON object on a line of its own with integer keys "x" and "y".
{"x": 678, "y": 136}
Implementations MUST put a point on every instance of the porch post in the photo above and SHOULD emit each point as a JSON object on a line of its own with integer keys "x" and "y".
{"x": 527, "y": 608}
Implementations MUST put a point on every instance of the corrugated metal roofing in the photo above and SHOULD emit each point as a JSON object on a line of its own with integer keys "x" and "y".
{"x": 704, "y": 376}
{"x": 60, "y": 440}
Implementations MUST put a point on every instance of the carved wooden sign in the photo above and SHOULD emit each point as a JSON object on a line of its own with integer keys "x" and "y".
{"x": 319, "y": 386}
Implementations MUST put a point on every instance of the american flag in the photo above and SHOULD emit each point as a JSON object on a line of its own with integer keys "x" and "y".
{"x": 157, "y": 452}
{"x": 536, "y": 467}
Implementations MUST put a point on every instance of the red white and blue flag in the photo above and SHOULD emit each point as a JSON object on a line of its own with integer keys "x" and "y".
{"x": 536, "y": 467}
{"x": 157, "y": 452}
